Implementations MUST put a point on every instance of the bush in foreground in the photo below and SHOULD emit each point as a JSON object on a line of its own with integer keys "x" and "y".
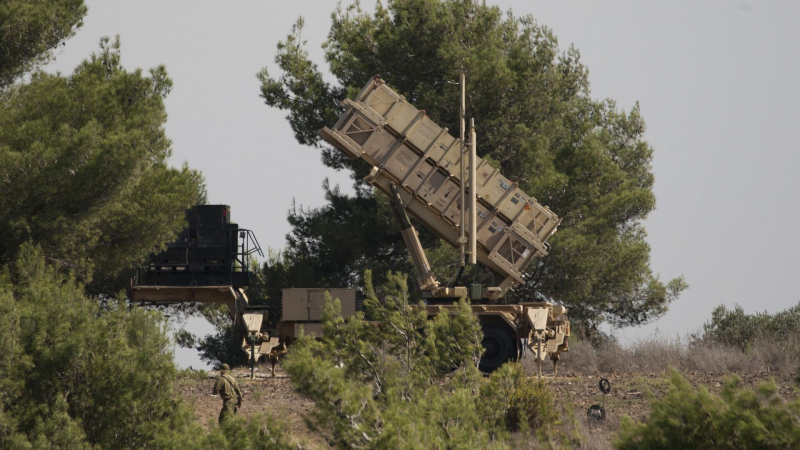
{"x": 403, "y": 381}
{"x": 75, "y": 375}
{"x": 738, "y": 418}
{"x": 255, "y": 433}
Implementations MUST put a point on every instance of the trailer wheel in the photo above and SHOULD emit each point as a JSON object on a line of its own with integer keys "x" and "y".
{"x": 498, "y": 347}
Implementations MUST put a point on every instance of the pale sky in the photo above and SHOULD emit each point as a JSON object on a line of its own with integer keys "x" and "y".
{"x": 716, "y": 82}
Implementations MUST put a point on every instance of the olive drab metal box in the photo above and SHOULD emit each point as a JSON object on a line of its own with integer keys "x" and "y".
{"x": 407, "y": 148}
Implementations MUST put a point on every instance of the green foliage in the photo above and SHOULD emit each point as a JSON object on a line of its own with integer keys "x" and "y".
{"x": 84, "y": 172}
{"x": 30, "y": 30}
{"x": 255, "y": 433}
{"x": 401, "y": 380}
{"x": 325, "y": 250}
{"x": 734, "y": 327}
{"x": 223, "y": 347}
{"x": 85, "y": 190}
{"x": 738, "y": 418}
{"x": 185, "y": 339}
{"x": 518, "y": 403}
{"x": 586, "y": 159}
{"x": 192, "y": 374}
{"x": 73, "y": 375}
{"x": 426, "y": 348}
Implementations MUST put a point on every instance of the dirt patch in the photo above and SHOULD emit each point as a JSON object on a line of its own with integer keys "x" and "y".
{"x": 272, "y": 397}
{"x": 630, "y": 396}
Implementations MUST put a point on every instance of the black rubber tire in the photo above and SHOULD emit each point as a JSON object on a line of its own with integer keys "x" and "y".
{"x": 498, "y": 347}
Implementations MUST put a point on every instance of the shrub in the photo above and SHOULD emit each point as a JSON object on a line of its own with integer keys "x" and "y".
{"x": 734, "y": 327}
{"x": 515, "y": 402}
{"x": 193, "y": 374}
{"x": 740, "y": 417}
{"x": 255, "y": 433}
{"x": 223, "y": 347}
{"x": 658, "y": 352}
{"x": 74, "y": 374}
{"x": 401, "y": 380}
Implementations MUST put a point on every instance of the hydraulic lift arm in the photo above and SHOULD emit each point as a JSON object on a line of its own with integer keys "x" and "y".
{"x": 427, "y": 279}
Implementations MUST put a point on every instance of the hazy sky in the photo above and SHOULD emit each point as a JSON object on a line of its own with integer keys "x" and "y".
{"x": 717, "y": 82}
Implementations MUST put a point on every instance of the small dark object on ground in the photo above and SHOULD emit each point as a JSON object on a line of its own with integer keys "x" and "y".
{"x": 597, "y": 412}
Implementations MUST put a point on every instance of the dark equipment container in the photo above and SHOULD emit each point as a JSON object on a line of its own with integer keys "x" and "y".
{"x": 210, "y": 251}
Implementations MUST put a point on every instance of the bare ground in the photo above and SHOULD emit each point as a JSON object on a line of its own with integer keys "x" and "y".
{"x": 629, "y": 395}
{"x": 272, "y": 397}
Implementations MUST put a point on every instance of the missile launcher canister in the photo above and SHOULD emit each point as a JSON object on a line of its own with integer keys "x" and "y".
{"x": 408, "y": 149}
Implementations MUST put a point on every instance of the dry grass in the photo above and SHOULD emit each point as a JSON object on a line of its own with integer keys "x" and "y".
{"x": 655, "y": 354}
{"x": 574, "y": 429}
{"x": 596, "y": 437}
{"x": 648, "y": 359}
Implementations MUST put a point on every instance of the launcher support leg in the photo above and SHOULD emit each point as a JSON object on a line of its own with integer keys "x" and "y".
{"x": 427, "y": 279}
{"x": 539, "y": 355}
{"x": 252, "y": 356}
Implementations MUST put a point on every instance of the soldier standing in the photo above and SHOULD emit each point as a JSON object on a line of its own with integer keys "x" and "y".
{"x": 227, "y": 388}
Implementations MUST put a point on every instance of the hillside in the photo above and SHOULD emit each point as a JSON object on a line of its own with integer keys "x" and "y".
{"x": 629, "y": 396}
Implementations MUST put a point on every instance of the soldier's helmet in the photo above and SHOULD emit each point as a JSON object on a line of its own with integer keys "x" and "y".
{"x": 225, "y": 368}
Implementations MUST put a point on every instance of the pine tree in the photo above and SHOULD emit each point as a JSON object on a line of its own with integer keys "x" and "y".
{"x": 30, "y": 30}
{"x": 84, "y": 171}
{"x": 73, "y": 375}
{"x": 586, "y": 159}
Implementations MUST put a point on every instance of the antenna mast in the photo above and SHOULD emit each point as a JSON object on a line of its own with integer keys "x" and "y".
{"x": 462, "y": 224}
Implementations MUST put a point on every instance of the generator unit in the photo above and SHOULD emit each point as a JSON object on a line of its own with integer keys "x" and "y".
{"x": 210, "y": 251}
